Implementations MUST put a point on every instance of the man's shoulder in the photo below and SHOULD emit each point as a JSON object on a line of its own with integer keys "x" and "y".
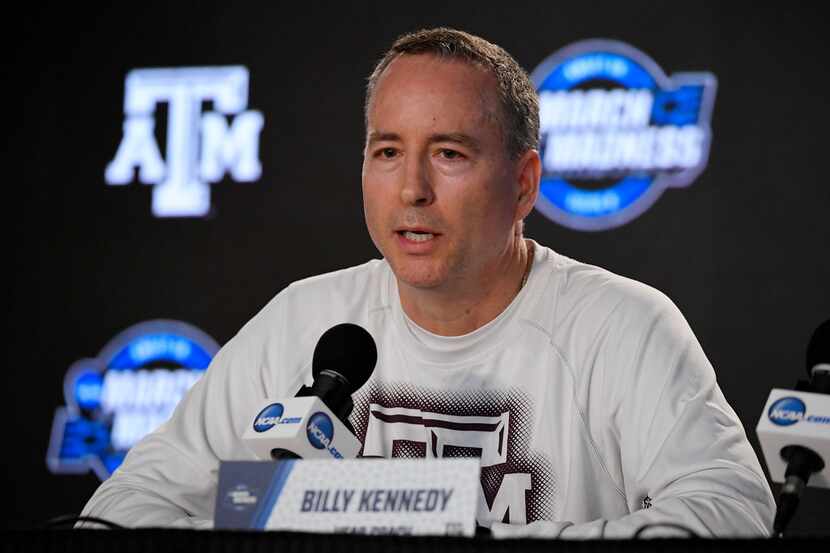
{"x": 344, "y": 294}
{"x": 579, "y": 287}
{"x": 583, "y": 301}
{"x": 283, "y": 333}
{"x": 341, "y": 279}
{"x": 597, "y": 318}
{"x": 348, "y": 276}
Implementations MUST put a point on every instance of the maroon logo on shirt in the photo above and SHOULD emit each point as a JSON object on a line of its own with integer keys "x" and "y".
{"x": 400, "y": 420}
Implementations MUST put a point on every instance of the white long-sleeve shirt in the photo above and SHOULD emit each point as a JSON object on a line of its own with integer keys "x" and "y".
{"x": 589, "y": 401}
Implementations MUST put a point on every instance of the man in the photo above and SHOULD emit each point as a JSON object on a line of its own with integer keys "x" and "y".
{"x": 587, "y": 397}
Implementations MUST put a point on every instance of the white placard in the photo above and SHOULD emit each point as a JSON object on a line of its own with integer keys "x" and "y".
{"x": 365, "y": 496}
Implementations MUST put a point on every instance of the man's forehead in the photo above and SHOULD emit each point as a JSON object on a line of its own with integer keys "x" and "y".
{"x": 409, "y": 68}
{"x": 442, "y": 80}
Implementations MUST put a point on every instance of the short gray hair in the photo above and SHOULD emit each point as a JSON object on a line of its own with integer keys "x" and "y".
{"x": 519, "y": 101}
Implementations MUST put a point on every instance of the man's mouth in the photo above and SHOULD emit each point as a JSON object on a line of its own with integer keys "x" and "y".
{"x": 416, "y": 235}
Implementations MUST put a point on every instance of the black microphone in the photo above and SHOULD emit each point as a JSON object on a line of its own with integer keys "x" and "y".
{"x": 818, "y": 359}
{"x": 803, "y": 462}
{"x": 343, "y": 361}
{"x": 344, "y": 358}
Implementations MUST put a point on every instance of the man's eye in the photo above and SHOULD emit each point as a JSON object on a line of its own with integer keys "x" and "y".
{"x": 387, "y": 153}
{"x": 451, "y": 154}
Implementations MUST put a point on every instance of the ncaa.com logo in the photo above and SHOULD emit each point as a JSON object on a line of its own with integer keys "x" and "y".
{"x": 268, "y": 417}
{"x": 320, "y": 431}
{"x": 790, "y": 410}
{"x": 787, "y": 411}
{"x": 272, "y": 416}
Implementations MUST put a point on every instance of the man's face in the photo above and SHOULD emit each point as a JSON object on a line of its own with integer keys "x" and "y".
{"x": 440, "y": 192}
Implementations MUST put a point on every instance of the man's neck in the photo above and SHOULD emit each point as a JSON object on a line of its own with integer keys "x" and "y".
{"x": 467, "y": 306}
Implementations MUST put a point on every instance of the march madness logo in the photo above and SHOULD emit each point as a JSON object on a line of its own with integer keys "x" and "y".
{"x": 201, "y": 147}
{"x": 128, "y": 390}
{"x": 616, "y": 131}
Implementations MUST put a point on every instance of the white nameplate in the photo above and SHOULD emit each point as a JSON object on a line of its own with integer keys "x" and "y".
{"x": 361, "y": 496}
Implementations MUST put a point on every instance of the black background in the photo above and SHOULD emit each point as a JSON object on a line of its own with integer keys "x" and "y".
{"x": 743, "y": 251}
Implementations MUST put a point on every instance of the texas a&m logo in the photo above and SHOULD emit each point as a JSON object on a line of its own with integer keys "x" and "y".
{"x": 401, "y": 421}
{"x": 201, "y": 147}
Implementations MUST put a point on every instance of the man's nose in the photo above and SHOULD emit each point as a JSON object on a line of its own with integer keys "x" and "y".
{"x": 417, "y": 187}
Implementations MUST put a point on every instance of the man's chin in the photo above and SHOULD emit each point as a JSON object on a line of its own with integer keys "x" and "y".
{"x": 421, "y": 279}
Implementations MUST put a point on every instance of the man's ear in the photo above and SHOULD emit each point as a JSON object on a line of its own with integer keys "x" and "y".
{"x": 529, "y": 173}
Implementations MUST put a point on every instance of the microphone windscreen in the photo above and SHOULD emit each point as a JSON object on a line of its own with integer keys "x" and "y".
{"x": 347, "y": 349}
{"x": 818, "y": 350}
